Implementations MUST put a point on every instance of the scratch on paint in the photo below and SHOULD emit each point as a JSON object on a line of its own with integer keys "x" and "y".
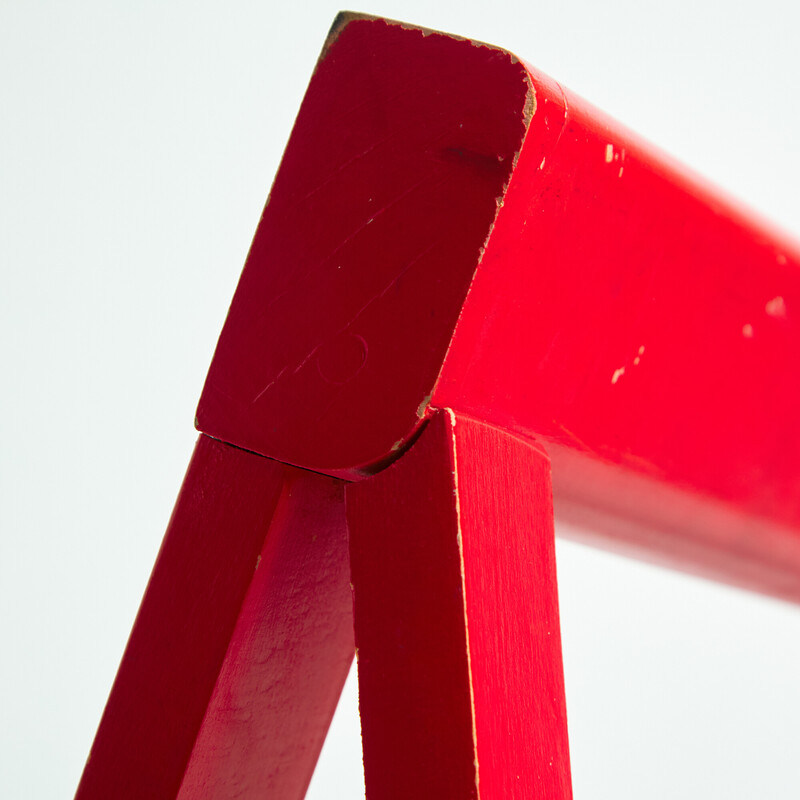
{"x": 574, "y": 437}
{"x": 300, "y": 279}
{"x": 350, "y": 321}
{"x": 618, "y": 373}
{"x": 343, "y": 166}
{"x": 269, "y": 386}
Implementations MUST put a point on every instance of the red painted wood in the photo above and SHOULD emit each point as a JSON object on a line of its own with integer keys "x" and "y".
{"x": 242, "y": 642}
{"x": 288, "y": 657}
{"x": 647, "y": 331}
{"x": 622, "y": 312}
{"x": 456, "y": 615}
{"x": 451, "y": 229}
{"x": 366, "y": 247}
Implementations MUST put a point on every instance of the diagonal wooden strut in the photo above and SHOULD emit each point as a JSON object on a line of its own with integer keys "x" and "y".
{"x": 450, "y": 229}
{"x": 242, "y": 642}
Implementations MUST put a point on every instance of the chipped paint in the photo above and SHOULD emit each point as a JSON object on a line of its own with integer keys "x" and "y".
{"x": 618, "y": 373}
{"x": 459, "y": 541}
{"x": 609, "y": 153}
{"x": 776, "y": 307}
{"x": 423, "y": 406}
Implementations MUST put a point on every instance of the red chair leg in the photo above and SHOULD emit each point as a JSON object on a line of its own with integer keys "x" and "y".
{"x": 242, "y": 643}
{"x": 456, "y": 618}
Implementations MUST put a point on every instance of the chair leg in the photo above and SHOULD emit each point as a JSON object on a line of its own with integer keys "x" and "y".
{"x": 242, "y": 642}
{"x": 456, "y": 619}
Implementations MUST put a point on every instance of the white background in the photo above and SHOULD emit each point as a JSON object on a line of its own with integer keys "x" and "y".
{"x": 137, "y": 145}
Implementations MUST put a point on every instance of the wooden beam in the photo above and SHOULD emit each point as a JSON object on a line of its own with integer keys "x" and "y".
{"x": 451, "y": 228}
{"x": 456, "y": 252}
{"x": 242, "y": 642}
{"x": 645, "y": 329}
{"x": 461, "y": 687}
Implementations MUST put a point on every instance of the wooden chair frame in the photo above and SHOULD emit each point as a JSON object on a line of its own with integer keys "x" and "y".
{"x": 464, "y": 277}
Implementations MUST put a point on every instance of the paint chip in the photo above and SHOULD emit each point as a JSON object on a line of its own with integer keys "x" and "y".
{"x": 618, "y": 373}
{"x": 422, "y": 407}
{"x": 609, "y": 153}
{"x": 776, "y": 307}
{"x": 541, "y": 166}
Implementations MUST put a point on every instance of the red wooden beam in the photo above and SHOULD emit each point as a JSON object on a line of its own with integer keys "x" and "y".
{"x": 366, "y": 248}
{"x": 450, "y": 229}
{"x": 245, "y": 630}
{"x": 647, "y": 332}
{"x": 461, "y": 688}
{"x": 609, "y": 303}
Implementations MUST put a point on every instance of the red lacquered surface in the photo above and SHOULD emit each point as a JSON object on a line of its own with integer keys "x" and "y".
{"x": 628, "y": 317}
{"x": 366, "y": 247}
{"x": 576, "y": 289}
{"x": 633, "y": 320}
{"x": 456, "y": 615}
{"x": 219, "y": 610}
{"x": 288, "y": 657}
